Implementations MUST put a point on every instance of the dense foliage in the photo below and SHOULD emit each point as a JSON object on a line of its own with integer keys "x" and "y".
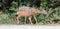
{"x": 9, "y": 8}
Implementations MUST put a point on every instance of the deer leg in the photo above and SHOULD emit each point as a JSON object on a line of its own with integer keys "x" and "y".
{"x": 35, "y": 18}
{"x": 30, "y": 20}
{"x": 25, "y": 20}
{"x": 17, "y": 20}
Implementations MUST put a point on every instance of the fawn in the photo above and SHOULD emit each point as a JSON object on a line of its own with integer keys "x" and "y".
{"x": 28, "y": 12}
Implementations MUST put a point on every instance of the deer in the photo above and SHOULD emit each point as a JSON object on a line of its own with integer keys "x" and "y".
{"x": 28, "y": 12}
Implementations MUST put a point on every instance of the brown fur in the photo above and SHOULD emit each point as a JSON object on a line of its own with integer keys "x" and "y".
{"x": 27, "y": 12}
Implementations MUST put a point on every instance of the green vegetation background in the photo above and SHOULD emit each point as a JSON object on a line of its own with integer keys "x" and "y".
{"x": 8, "y": 16}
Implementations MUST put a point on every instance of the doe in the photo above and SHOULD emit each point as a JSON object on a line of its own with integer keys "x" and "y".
{"x": 28, "y": 12}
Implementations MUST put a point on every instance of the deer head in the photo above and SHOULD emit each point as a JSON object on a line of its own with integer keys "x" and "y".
{"x": 43, "y": 11}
